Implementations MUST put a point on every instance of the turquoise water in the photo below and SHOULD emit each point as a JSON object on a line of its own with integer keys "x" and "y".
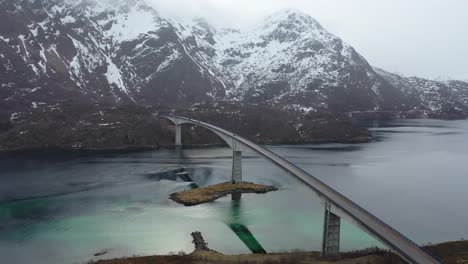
{"x": 66, "y": 208}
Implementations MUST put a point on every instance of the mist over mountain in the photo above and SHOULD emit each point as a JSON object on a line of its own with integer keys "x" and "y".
{"x": 110, "y": 53}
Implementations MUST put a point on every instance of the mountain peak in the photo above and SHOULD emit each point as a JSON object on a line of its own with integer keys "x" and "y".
{"x": 289, "y": 25}
{"x": 292, "y": 17}
{"x": 203, "y": 23}
{"x": 289, "y": 11}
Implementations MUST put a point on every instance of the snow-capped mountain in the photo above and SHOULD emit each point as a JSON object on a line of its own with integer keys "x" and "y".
{"x": 124, "y": 51}
{"x": 442, "y": 99}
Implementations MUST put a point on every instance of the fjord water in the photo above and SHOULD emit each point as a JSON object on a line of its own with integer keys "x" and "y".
{"x": 64, "y": 208}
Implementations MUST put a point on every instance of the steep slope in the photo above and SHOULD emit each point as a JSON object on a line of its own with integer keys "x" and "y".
{"x": 124, "y": 51}
{"x": 53, "y": 46}
{"x": 174, "y": 65}
{"x": 116, "y": 51}
{"x": 105, "y": 51}
{"x": 292, "y": 59}
{"x": 440, "y": 99}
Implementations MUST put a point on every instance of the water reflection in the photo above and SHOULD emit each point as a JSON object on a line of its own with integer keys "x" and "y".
{"x": 118, "y": 202}
{"x": 236, "y": 224}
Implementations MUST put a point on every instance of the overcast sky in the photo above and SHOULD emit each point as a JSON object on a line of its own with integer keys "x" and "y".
{"x": 427, "y": 38}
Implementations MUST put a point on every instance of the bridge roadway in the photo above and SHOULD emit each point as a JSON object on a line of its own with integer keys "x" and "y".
{"x": 343, "y": 206}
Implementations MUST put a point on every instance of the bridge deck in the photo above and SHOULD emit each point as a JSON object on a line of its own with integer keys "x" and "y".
{"x": 396, "y": 241}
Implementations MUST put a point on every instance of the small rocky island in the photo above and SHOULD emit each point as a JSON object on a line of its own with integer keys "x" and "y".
{"x": 214, "y": 192}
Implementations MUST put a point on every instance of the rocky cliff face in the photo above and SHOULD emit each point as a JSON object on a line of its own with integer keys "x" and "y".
{"x": 105, "y": 53}
{"x": 440, "y": 99}
{"x": 292, "y": 60}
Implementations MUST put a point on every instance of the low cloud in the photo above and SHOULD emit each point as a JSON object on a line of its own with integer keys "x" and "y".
{"x": 425, "y": 38}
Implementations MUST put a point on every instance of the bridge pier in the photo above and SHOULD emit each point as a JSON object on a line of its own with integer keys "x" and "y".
{"x": 331, "y": 234}
{"x": 236, "y": 166}
{"x": 397, "y": 242}
{"x": 178, "y": 135}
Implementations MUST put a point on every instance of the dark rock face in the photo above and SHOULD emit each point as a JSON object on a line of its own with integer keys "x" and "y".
{"x": 77, "y": 126}
{"x": 82, "y": 49}
{"x": 438, "y": 99}
{"x": 199, "y": 242}
{"x": 264, "y": 124}
{"x": 80, "y": 126}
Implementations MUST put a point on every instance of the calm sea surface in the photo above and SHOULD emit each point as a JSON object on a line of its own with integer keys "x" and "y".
{"x": 61, "y": 209}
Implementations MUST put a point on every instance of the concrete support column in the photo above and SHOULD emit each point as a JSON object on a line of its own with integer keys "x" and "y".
{"x": 236, "y": 166}
{"x": 331, "y": 234}
{"x": 236, "y": 197}
{"x": 178, "y": 135}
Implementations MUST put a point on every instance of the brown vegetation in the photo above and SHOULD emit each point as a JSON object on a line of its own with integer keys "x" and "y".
{"x": 210, "y": 257}
{"x": 214, "y": 192}
{"x": 448, "y": 253}
{"x": 266, "y": 124}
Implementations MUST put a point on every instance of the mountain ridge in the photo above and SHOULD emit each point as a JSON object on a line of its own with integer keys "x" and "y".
{"x": 114, "y": 53}
{"x": 145, "y": 58}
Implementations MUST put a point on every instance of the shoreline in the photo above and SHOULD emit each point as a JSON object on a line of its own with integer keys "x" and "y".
{"x": 133, "y": 149}
{"x": 449, "y": 252}
{"x": 142, "y": 148}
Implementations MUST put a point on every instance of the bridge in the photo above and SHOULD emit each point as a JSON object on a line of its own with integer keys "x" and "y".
{"x": 337, "y": 206}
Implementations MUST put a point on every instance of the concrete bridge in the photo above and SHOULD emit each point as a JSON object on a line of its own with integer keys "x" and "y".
{"x": 337, "y": 206}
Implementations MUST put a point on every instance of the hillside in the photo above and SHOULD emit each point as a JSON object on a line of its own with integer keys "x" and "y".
{"x": 116, "y": 53}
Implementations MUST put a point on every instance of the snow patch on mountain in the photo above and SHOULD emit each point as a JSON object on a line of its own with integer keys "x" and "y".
{"x": 131, "y": 24}
{"x": 436, "y": 96}
{"x": 124, "y": 50}
{"x": 114, "y": 76}
{"x": 290, "y": 49}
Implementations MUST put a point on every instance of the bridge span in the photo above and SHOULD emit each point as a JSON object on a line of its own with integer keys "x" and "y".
{"x": 336, "y": 204}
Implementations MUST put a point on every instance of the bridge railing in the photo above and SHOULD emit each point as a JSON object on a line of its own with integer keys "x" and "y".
{"x": 341, "y": 202}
